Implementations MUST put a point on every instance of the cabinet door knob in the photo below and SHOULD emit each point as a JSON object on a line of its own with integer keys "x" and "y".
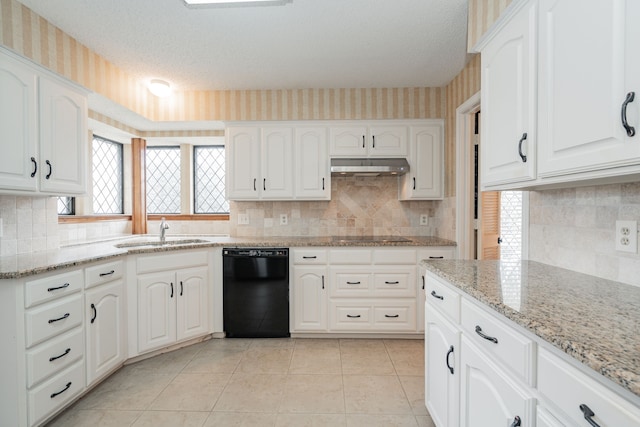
{"x": 55, "y": 288}
{"x": 171, "y": 290}
{"x": 363, "y": 146}
{"x": 323, "y": 281}
{"x": 486, "y": 337}
{"x": 517, "y": 422}
{"x": 254, "y": 184}
{"x": 522, "y": 155}
{"x": 414, "y": 182}
{"x": 631, "y": 131}
{"x": 353, "y": 316}
{"x": 51, "y": 359}
{"x": 449, "y": 353}
{"x": 264, "y": 184}
{"x": 50, "y": 169}
{"x": 181, "y": 288}
{"x": 61, "y": 391}
{"x": 433, "y": 294}
{"x": 95, "y": 313}
{"x": 35, "y": 167}
{"x": 108, "y": 273}
{"x": 588, "y": 415}
{"x": 374, "y": 141}
{"x": 59, "y": 318}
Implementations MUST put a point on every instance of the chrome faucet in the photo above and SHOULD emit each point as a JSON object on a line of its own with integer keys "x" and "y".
{"x": 163, "y": 230}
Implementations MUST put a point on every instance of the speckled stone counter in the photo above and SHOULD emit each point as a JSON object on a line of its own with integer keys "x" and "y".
{"x": 594, "y": 320}
{"x": 41, "y": 262}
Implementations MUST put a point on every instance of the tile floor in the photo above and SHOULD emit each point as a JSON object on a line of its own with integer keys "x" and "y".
{"x": 264, "y": 382}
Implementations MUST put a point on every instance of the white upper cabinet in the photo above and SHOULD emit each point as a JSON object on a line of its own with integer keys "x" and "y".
{"x": 425, "y": 180}
{"x": 243, "y": 163}
{"x": 508, "y": 128}
{"x": 368, "y": 141}
{"x": 277, "y": 163}
{"x": 312, "y": 176}
{"x": 588, "y": 69}
{"x": 43, "y": 131}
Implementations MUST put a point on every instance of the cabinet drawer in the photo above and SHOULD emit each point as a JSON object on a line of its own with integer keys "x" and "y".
{"x": 350, "y": 283}
{"x": 446, "y": 300}
{"x": 397, "y": 317}
{"x": 53, "y": 319}
{"x": 53, "y": 356}
{"x": 50, "y": 288}
{"x": 55, "y": 393}
{"x": 566, "y": 387}
{"x": 394, "y": 256}
{"x": 309, "y": 256}
{"x": 397, "y": 284}
{"x": 349, "y": 256}
{"x": 502, "y": 342}
{"x": 440, "y": 253}
{"x": 103, "y": 273}
{"x": 345, "y": 316}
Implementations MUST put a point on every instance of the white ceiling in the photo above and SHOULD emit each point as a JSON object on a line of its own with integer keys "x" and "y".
{"x": 303, "y": 44}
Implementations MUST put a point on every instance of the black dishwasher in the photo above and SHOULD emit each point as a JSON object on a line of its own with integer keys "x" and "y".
{"x": 256, "y": 292}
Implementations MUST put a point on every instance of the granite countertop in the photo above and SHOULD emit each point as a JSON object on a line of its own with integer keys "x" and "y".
{"x": 40, "y": 262}
{"x": 596, "y": 321}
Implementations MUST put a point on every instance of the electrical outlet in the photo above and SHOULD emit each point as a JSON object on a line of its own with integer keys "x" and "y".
{"x": 627, "y": 236}
{"x": 284, "y": 219}
{"x": 243, "y": 219}
{"x": 424, "y": 219}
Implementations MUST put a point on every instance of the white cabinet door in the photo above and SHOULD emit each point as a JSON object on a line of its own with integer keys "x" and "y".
{"x": 426, "y": 164}
{"x": 156, "y": 311}
{"x": 348, "y": 141}
{"x": 488, "y": 397}
{"x": 508, "y": 128}
{"x": 388, "y": 141}
{"x": 442, "y": 368}
{"x": 309, "y": 298}
{"x": 18, "y": 126}
{"x": 243, "y": 163}
{"x": 192, "y": 293}
{"x": 105, "y": 322}
{"x": 277, "y": 163}
{"x": 63, "y": 139}
{"x": 312, "y": 176}
{"x": 586, "y": 53}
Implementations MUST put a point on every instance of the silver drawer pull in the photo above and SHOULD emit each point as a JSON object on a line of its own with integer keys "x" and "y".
{"x": 60, "y": 318}
{"x": 353, "y": 316}
{"x": 486, "y": 337}
{"x": 107, "y": 274}
{"x": 353, "y": 283}
{"x": 66, "y": 285}
{"x": 433, "y": 294}
{"x": 391, "y": 283}
{"x": 61, "y": 391}
{"x": 393, "y": 316}
{"x": 51, "y": 359}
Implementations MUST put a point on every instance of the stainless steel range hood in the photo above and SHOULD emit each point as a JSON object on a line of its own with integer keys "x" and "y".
{"x": 369, "y": 167}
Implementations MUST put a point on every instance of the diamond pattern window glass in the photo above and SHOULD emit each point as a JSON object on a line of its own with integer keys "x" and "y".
{"x": 163, "y": 180}
{"x": 66, "y": 206}
{"x": 107, "y": 177}
{"x": 208, "y": 180}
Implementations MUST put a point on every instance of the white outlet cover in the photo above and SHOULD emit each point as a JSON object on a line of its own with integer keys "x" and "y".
{"x": 284, "y": 220}
{"x": 243, "y": 219}
{"x": 627, "y": 236}
{"x": 424, "y": 219}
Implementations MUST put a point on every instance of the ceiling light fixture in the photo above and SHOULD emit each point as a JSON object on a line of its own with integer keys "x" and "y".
{"x": 233, "y": 3}
{"x": 159, "y": 88}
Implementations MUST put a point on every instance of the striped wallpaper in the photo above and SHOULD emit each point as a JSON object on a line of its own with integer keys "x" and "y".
{"x": 482, "y": 13}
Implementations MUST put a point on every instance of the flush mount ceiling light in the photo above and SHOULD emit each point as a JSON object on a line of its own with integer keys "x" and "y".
{"x": 234, "y": 3}
{"x": 159, "y": 88}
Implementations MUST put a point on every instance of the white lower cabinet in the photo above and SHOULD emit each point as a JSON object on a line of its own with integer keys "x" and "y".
{"x": 309, "y": 298}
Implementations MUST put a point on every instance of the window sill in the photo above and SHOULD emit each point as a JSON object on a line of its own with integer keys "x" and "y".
{"x": 80, "y": 219}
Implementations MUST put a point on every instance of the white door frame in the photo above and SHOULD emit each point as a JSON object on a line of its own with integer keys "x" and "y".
{"x": 464, "y": 177}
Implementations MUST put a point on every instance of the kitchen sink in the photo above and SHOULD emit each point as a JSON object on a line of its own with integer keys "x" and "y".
{"x": 158, "y": 243}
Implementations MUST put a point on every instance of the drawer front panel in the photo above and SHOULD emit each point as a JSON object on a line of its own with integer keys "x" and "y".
{"x": 345, "y": 316}
{"x": 349, "y": 256}
{"x": 397, "y": 317}
{"x": 55, "y": 393}
{"x": 440, "y": 296}
{"x": 53, "y": 356}
{"x": 172, "y": 261}
{"x": 309, "y": 256}
{"x": 50, "y": 288}
{"x": 52, "y": 319}
{"x": 104, "y": 273}
{"x": 512, "y": 349}
{"x": 566, "y": 387}
{"x": 350, "y": 283}
{"x": 394, "y": 257}
{"x": 440, "y": 253}
{"x": 400, "y": 284}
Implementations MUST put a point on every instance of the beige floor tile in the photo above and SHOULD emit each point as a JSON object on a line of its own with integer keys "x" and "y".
{"x": 317, "y": 343}
{"x": 240, "y": 419}
{"x": 167, "y": 363}
{"x": 315, "y": 360}
{"x": 171, "y": 419}
{"x": 407, "y": 356}
{"x": 95, "y": 418}
{"x": 216, "y": 344}
{"x": 356, "y": 420}
{"x": 273, "y": 343}
{"x": 252, "y": 393}
{"x": 322, "y": 394}
{"x": 191, "y": 392}
{"x": 220, "y": 361}
{"x": 374, "y": 395}
{"x": 265, "y": 360}
{"x": 363, "y": 344}
{"x": 414, "y": 390}
{"x": 366, "y": 361}
{"x": 424, "y": 421}
{"x": 311, "y": 420}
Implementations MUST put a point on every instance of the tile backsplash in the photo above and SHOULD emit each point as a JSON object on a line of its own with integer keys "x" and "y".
{"x": 29, "y": 224}
{"x": 574, "y": 228}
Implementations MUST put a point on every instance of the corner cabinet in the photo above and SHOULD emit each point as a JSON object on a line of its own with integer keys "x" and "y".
{"x": 43, "y": 129}
{"x": 425, "y": 179}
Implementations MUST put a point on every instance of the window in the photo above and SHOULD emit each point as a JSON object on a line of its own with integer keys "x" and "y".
{"x": 163, "y": 180}
{"x": 208, "y": 180}
{"x": 66, "y": 206}
{"x": 107, "y": 177}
